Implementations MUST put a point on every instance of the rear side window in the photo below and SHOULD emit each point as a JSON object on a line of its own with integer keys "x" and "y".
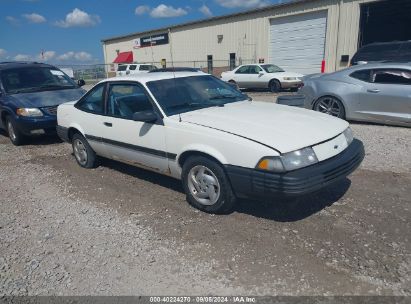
{"x": 392, "y": 76}
{"x": 363, "y": 75}
{"x": 94, "y": 101}
{"x": 122, "y": 68}
{"x": 132, "y": 67}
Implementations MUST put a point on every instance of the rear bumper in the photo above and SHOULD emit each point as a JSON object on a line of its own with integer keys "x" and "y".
{"x": 248, "y": 182}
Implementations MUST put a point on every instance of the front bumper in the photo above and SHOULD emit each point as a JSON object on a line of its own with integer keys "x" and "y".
{"x": 28, "y": 125}
{"x": 288, "y": 84}
{"x": 248, "y": 182}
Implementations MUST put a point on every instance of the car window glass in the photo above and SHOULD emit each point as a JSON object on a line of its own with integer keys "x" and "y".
{"x": 254, "y": 69}
{"x": 242, "y": 70}
{"x": 392, "y": 76}
{"x": 132, "y": 67}
{"x": 93, "y": 101}
{"x": 144, "y": 67}
{"x": 363, "y": 75}
{"x": 122, "y": 68}
{"x": 35, "y": 79}
{"x": 126, "y": 99}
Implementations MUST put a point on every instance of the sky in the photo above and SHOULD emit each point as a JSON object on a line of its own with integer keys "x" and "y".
{"x": 70, "y": 31}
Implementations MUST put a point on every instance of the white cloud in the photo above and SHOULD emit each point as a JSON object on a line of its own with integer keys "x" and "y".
{"x": 79, "y": 18}
{"x": 79, "y": 56}
{"x": 46, "y": 55}
{"x": 82, "y": 56}
{"x": 34, "y": 18}
{"x": 164, "y": 11}
{"x": 142, "y": 9}
{"x": 3, "y": 53}
{"x": 205, "y": 10}
{"x": 22, "y": 57}
{"x": 12, "y": 20}
{"x": 243, "y": 3}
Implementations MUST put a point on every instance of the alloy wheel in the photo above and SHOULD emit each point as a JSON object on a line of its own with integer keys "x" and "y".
{"x": 330, "y": 106}
{"x": 203, "y": 185}
{"x": 80, "y": 152}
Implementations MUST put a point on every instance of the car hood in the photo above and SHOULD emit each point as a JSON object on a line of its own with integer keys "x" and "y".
{"x": 45, "y": 98}
{"x": 280, "y": 127}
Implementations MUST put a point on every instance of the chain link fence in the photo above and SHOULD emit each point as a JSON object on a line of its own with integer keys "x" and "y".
{"x": 96, "y": 72}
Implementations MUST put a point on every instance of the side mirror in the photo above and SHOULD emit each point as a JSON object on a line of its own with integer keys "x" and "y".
{"x": 145, "y": 116}
{"x": 261, "y": 73}
{"x": 81, "y": 82}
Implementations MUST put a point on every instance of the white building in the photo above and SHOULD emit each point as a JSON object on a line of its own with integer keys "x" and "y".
{"x": 300, "y": 35}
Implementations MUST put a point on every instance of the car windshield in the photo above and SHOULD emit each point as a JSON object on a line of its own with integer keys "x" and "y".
{"x": 184, "y": 94}
{"x": 271, "y": 68}
{"x": 35, "y": 79}
{"x": 122, "y": 68}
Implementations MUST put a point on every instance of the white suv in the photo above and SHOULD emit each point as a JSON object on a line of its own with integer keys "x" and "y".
{"x": 134, "y": 68}
{"x": 197, "y": 128}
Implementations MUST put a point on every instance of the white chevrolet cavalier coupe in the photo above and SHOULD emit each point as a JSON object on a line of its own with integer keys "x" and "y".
{"x": 197, "y": 128}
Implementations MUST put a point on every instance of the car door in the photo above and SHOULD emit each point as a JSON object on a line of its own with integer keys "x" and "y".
{"x": 387, "y": 96}
{"x": 140, "y": 143}
{"x": 241, "y": 76}
{"x": 90, "y": 117}
{"x": 256, "y": 77}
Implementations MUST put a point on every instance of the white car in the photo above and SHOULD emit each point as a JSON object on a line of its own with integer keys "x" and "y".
{"x": 263, "y": 76}
{"x": 197, "y": 128}
{"x": 134, "y": 68}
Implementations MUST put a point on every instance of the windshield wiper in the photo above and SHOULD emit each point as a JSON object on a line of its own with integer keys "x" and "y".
{"x": 222, "y": 97}
{"x": 55, "y": 86}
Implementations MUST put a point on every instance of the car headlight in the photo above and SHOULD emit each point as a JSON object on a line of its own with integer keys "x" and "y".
{"x": 290, "y": 78}
{"x": 349, "y": 136}
{"x": 289, "y": 161}
{"x": 29, "y": 112}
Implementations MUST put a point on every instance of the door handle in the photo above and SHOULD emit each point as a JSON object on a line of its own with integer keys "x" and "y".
{"x": 108, "y": 124}
{"x": 373, "y": 91}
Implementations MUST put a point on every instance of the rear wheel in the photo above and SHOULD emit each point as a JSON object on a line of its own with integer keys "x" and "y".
{"x": 331, "y": 106}
{"x": 16, "y": 137}
{"x": 84, "y": 154}
{"x": 206, "y": 185}
{"x": 274, "y": 86}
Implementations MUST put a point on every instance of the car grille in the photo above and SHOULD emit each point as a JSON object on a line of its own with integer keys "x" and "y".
{"x": 51, "y": 110}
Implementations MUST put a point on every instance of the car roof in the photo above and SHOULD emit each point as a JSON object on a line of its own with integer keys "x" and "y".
{"x": 22, "y": 64}
{"x": 147, "y": 77}
{"x": 377, "y": 65}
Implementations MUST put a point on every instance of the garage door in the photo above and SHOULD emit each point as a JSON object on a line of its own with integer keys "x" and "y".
{"x": 297, "y": 42}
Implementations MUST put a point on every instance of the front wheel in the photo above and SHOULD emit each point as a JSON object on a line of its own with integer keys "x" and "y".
{"x": 16, "y": 137}
{"x": 274, "y": 86}
{"x": 331, "y": 106}
{"x": 84, "y": 154}
{"x": 206, "y": 185}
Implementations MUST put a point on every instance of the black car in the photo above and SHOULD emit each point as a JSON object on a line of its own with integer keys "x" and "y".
{"x": 29, "y": 95}
{"x": 396, "y": 51}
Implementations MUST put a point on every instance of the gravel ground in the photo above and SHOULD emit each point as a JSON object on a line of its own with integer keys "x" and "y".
{"x": 119, "y": 230}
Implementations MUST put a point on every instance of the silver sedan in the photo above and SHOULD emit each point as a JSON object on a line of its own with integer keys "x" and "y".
{"x": 379, "y": 93}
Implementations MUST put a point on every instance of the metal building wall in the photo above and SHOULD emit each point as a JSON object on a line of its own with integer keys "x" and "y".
{"x": 248, "y": 35}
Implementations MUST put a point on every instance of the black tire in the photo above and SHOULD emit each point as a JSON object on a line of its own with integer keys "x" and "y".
{"x": 91, "y": 160}
{"x": 226, "y": 198}
{"x": 16, "y": 137}
{"x": 329, "y": 100}
{"x": 274, "y": 86}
